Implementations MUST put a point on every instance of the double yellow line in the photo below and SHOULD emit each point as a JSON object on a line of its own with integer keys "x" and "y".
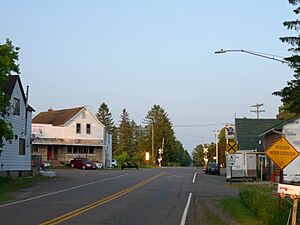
{"x": 79, "y": 211}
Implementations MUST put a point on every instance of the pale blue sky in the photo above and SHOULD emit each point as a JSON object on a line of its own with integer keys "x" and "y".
{"x": 135, "y": 53}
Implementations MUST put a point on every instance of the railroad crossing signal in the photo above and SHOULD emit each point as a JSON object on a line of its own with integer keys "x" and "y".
{"x": 232, "y": 147}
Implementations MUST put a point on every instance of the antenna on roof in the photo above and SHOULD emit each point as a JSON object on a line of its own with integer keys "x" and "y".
{"x": 257, "y": 110}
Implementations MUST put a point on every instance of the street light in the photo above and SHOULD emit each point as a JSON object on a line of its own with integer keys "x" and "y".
{"x": 264, "y": 55}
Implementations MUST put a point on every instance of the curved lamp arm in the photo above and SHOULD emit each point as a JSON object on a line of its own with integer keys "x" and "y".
{"x": 253, "y": 53}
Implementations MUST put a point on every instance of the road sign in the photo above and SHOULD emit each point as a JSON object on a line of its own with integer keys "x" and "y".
{"x": 231, "y": 158}
{"x": 282, "y": 153}
{"x": 229, "y": 132}
{"x": 232, "y": 147}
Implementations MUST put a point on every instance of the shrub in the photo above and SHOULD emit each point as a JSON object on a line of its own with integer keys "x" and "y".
{"x": 259, "y": 199}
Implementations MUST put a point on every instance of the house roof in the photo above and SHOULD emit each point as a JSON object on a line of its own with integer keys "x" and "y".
{"x": 279, "y": 126}
{"x": 9, "y": 86}
{"x": 56, "y": 117}
{"x": 248, "y": 130}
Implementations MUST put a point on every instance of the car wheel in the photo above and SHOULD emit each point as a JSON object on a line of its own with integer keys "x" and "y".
{"x": 83, "y": 167}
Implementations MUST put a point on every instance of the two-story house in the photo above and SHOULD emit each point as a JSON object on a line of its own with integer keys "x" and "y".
{"x": 61, "y": 135}
{"x": 16, "y": 155}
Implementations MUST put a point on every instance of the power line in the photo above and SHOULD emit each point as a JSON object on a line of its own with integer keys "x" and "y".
{"x": 198, "y": 125}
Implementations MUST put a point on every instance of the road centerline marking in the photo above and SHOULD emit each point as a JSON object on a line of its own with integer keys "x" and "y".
{"x": 93, "y": 205}
{"x": 194, "y": 179}
{"x": 61, "y": 191}
{"x": 186, "y": 209}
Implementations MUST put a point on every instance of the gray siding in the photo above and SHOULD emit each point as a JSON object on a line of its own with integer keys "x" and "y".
{"x": 10, "y": 159}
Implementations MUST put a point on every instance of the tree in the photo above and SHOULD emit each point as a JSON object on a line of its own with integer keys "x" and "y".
{"x": 158, "y": 117}
{"x": 9, "y": 55}
{"x": 198, "y": 157}
{"x": 290, "y": 95}
{"x": 105, "y": 117}
{"x": 125, "y": 135}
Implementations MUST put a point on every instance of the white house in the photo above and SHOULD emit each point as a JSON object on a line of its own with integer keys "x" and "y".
{"x": 61, "y": 135}
{"x": 291, "y": 131}
{"x": 16, "y": 156}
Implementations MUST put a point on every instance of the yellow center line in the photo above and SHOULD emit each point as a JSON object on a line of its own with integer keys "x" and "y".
{"x": 81, "y": 210}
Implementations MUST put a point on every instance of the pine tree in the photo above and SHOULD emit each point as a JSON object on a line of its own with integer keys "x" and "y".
{"x": 105, "y": 117}
{"x": 125, "y": 135}
{"x": 162, "y": 130}
{"x": 290, "y": 95}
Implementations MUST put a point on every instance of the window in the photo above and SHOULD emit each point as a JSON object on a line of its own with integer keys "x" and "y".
{"x": 75, "y": 150}
{"x": 69, "y": 149}
{"x": 91, "y": 150}
{"x": 88, "y": 128}
{"x": 17, "y": 106}
{"x": 78, "y": 128}
{"x": 21, "y": 146}
{"x": 35, "y": 149}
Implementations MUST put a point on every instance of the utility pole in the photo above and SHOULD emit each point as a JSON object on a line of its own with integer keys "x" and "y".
{"x": 217, "y": 149}
{"x": 257, "y": 110}
{"x": 152, "y": 153}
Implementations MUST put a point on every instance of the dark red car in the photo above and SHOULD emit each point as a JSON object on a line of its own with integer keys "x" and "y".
{"x": 84, "y": 164}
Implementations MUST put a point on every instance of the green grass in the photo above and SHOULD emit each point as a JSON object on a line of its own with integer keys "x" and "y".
{"x": 9, "y": 185}
{"x": 212, "y": 219}
{"x": 236, "y": 208}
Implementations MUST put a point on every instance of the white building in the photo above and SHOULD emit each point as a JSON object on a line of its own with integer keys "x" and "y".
{"x": 61, "y": 135}
{"x": 16, "y": 156}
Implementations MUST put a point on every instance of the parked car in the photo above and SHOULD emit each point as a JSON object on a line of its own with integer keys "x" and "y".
{"x": 98, "y": 164}
{"x": 114, "y": 163}
{"x": 129, "y": 165}
{"x": 212, "y": 168}
{"x": 84, "y": 164}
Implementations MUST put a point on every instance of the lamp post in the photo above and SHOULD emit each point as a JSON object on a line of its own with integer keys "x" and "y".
{"x": 264, "y": 55}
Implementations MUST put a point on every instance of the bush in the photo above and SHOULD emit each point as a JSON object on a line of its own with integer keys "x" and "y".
{"x": 259, "y": 199}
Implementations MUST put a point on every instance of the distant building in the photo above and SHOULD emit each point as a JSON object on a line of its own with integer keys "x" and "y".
{"x": 248, "y": 131}
{"x": 61, "y": 135}
{"x": 16, "y": 156}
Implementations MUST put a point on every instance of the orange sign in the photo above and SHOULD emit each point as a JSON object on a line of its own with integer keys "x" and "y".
{"x": 282, "y": 153}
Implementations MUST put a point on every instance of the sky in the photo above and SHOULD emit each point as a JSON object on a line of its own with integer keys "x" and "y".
{"x": 136, "y": 53}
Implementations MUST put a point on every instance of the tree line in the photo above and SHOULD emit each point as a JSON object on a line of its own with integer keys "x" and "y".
{"x": 131, "y": 141}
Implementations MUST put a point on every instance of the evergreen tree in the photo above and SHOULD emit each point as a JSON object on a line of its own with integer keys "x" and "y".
{"x": 9, "y": 56}
{"x": 105, "y": 117}
{"x": 158, "y": 118}
{"x": 290, "y": 95}
{"x": 125, "y": 135}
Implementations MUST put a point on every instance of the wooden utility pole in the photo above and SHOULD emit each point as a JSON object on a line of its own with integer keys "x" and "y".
{"x": 257, "y": 111}
{"x": 152, "y": 153}
{"x": 294, "y": 217}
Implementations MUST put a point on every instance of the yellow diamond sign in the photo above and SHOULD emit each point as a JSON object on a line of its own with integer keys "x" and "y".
{"x": 232, "y": 147}
{"x": 282, "y": 153}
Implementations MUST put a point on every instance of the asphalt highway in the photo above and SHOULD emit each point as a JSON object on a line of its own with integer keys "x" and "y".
{"x": 117, "y": 197}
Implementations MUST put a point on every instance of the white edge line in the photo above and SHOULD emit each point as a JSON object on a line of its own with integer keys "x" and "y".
{"x": 60, "y": 191}
{"x": 194, "y": 179}
{"x": 186, "y": 210}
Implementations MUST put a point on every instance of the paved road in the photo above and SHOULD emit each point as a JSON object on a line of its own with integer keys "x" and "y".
{"x": 116, "y": 197}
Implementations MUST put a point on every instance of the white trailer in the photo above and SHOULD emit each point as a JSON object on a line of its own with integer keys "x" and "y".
{"x": 242, "y": 164}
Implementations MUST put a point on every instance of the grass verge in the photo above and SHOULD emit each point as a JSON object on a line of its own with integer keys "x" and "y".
{"x": 236, "y": 208}
{"x": 13, "y": 184}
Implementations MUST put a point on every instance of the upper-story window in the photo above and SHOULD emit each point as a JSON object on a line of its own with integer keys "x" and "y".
{"x": 78, "y": 128}
{"x": 88, "y": 128}
{"x": 21, "y": 146}
{"x": 16, "y": 106}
